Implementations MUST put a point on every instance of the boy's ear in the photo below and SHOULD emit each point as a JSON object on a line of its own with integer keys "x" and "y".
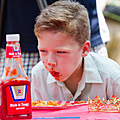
{"x": 86, "y": 48}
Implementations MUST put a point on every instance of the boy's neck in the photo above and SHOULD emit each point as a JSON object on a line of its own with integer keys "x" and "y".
{"x": 72, "y": 82}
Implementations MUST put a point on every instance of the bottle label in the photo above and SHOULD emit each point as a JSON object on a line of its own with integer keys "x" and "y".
{"x": 18, "y": 99}
{"x": 13, "y": 51}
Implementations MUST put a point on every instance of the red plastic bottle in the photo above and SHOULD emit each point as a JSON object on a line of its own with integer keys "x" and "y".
{"x": 14, "y": 84}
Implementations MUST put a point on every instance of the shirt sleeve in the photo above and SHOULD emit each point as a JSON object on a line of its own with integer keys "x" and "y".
{"x": 114, "y": 87}
{"x": 35, "y": 93}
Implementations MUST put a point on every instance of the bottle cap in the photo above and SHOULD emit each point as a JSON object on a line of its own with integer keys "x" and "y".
{"x": 12, "y": 37}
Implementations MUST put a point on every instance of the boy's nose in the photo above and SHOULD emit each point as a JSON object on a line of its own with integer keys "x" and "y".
{"x": 52, "y": 64}
{"x": 51, "y": 60}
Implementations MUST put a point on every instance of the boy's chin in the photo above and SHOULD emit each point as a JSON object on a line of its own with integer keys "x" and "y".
{"x": 59, "y": 79}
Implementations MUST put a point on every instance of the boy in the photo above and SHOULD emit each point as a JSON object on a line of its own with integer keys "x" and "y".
{"x": 67, "y": 70}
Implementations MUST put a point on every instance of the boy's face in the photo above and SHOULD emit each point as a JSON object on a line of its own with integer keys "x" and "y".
{"x": 60, "y": 54}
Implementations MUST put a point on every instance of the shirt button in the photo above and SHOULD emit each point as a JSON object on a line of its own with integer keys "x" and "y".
{"x": 69, "y": 96}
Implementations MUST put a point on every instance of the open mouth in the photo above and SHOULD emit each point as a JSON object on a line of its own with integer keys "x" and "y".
{"x": 54, "y": 74}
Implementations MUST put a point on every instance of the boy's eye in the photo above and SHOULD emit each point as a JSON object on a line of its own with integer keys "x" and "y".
{"x": 61, "y": 52}
{"x": 43, "y": 51}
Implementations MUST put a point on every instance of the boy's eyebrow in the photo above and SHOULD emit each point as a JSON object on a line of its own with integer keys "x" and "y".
{"x": 57, "y": 48}
{"x": 62, "y": 48}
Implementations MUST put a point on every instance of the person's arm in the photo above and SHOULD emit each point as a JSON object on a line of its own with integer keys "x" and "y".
{"x": 102, "y": 3}
{"x": 113, "y": 86}
{"x": 35, "y": 94}
{"x": 116, "y": 87}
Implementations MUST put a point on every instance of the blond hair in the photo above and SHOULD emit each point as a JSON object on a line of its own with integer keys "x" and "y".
{"x": 68, "y": 17}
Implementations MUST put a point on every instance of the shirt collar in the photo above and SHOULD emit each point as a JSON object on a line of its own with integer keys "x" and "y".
{"x": 91, "y": 73}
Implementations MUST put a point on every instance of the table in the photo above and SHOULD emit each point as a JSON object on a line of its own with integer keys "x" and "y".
{"x": 76, "y": 111}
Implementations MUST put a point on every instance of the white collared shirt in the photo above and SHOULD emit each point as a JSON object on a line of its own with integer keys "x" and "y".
{"x": 101, "y": 77}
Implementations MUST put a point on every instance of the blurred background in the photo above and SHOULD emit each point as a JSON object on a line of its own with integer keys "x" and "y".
{"x": 112, "y": 17}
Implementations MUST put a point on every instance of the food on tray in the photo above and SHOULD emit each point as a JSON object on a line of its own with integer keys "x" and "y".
{"x": 111, "y": 105}
{"x": 38, "y": 103}
{"x": 55, "y": 103}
